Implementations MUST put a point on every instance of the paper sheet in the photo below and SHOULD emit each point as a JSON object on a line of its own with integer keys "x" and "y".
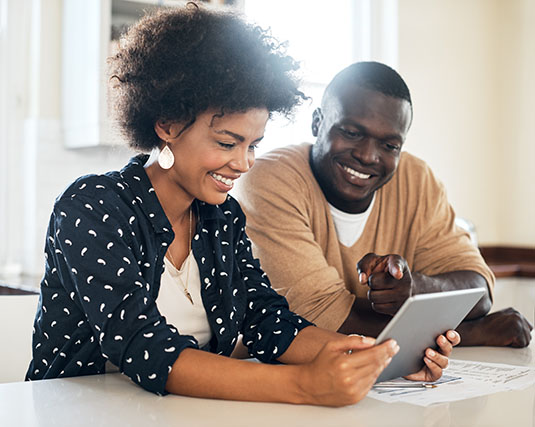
{"x": 463, "y": 379}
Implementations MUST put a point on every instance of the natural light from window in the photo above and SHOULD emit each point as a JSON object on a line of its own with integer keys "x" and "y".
{"x": 322, "y": 37}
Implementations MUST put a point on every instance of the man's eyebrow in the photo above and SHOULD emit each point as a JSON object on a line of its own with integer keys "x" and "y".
{"x": 365, "y": 130}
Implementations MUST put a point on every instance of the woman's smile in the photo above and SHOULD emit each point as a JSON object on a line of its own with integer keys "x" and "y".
{"x": 222, "y": 182}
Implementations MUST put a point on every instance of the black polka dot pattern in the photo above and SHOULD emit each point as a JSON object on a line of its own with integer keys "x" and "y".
{"x": 104, "y": 253}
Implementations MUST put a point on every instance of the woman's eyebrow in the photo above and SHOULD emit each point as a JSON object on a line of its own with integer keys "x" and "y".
{"x": 232, "y": 134}
{"x": 235, "y": 135}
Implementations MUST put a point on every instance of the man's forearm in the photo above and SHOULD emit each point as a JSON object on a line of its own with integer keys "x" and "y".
{"x": 454, "y": 281}
{"x": 363, "y": 320}
{"x": 506, "y": 327}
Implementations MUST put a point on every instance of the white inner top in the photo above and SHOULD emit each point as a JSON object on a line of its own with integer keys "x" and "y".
{"x": 187, "y": 318}
{"x": 349, "y": 227}
{"x": 175, "y": 306}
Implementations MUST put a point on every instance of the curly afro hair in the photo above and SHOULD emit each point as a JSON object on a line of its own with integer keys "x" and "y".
{"x": 176, "y": 63}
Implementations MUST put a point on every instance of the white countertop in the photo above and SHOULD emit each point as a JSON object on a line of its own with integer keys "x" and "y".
{"x": 113, "y": 399}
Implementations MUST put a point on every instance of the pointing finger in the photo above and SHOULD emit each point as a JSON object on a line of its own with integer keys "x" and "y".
{"x": 395, "y": 267}
{"x": 369, "y": 264}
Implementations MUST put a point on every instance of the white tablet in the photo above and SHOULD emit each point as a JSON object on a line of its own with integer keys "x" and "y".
{"x": 417, "y": 324}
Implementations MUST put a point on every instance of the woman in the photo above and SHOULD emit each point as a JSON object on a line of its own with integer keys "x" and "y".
{"x": 149, "y": 269}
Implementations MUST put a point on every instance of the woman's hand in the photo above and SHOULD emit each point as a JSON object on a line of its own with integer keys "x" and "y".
{"x": 344, "y": 370}
{"x": 437, "y": 361}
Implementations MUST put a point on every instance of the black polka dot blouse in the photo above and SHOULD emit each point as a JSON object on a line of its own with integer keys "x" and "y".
{"x": 105, "y": 248}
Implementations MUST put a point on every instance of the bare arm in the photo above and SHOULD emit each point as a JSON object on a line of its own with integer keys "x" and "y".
{"x": 201, "y": 374}
{"x": 364, "y": 320}
{"x": 506, "y": 327}
{"x": 453, "y": 281}
{"x": 320, "y": 371}
{"x": 391, "y": 282}
{"x": 324, "y": 374}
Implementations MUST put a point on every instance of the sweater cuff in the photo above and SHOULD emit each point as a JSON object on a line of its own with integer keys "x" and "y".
{"x": 333, "y": 316}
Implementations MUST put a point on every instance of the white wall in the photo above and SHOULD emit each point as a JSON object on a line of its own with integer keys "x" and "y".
{"x": 470, "y": 67}
{"x": 54, "y": 166}
{"x": 515, "y": 201}
{"x": 40, "y": 166}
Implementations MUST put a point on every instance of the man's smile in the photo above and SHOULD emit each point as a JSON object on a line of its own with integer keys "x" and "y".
{"x": 356, "y": 173}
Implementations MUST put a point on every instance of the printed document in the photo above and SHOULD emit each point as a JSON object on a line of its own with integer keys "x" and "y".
{"x": 463, "y": 379}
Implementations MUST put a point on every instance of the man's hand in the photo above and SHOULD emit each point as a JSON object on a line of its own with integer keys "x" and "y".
{"x": 502, "y": 328}
{"x": 389, "y": 279}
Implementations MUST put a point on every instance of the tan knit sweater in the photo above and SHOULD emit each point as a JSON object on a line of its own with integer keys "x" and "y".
{"x": 294, "y": 236}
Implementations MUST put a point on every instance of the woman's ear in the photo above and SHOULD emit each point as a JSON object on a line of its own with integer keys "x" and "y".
{"x": 161, "y": 127}
{"x": 166, "y": 130}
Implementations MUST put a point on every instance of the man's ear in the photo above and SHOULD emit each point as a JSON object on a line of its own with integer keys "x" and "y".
{"x": 317, "y": 117}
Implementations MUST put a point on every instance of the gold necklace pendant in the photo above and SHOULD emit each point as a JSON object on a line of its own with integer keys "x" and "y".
{"x": 188, "y": 295}
{"x": 185, "y": 264}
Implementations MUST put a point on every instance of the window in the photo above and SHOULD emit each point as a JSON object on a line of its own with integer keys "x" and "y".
{"x": 324, "y": 37}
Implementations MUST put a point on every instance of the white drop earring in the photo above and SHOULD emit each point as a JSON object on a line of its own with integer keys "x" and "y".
{"x": 166, "y": 158}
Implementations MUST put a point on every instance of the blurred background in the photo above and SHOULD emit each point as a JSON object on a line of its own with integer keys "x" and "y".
{"x": 470, "y": 66}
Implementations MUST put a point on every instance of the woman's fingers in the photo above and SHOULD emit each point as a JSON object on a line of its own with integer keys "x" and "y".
{"x": 377, "y": 356}
{"x": 358, "y": 342}
{"x": 453, "y": 337}
{"x": 367, "y": 365}
{"x": 345, "y": 369}
{"x": 447, "y": 342}
{"x": 444, "y": 345}
{"x": 434, "y": 369}
{"x": 439, "y": 359}
{"x": 364, "y": 376}
{"x": 349, "y": 344}
{"x": 435, "y": 363}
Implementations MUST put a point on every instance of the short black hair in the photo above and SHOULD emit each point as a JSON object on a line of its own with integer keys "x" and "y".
{"x": 176, "y": 63}
{"x": 374, "y": 76}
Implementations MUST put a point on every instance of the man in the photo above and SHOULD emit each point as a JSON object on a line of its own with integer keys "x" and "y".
{"x": 318, "y": 215}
